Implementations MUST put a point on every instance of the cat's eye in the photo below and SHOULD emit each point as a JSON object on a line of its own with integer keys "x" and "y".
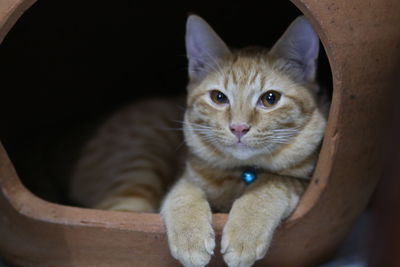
{"x": 270, "y": 98}
{"x": 218, "y": 97}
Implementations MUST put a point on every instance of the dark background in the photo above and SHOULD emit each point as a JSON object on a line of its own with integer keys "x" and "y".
{"x": 67, "y": 64}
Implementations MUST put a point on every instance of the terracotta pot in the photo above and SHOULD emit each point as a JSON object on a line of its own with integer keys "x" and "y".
{"x": 361, "y": 40}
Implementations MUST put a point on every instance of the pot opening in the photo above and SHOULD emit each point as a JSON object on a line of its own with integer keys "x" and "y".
{"x": 67, "y": 65}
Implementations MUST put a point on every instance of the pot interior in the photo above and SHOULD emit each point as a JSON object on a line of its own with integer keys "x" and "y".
{"x": 66, "y": 65}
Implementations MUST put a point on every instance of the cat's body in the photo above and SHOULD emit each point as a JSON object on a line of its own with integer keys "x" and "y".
{"x": 133, "y": 159}
{"x": 245, "y": 108}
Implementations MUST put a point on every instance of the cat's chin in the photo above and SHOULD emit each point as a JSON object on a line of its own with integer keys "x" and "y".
{"x": 241, "y": 151}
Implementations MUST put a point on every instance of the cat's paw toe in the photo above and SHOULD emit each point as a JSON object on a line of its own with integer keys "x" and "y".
{"x": 240, "y": 250}
{"x": 193, "y": 257}
{"x": 193, "y": 247}
{"x": 241, "y": 255}
{"x": 238, "y": 259}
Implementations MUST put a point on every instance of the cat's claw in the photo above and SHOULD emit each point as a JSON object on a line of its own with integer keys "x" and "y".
{"x": 193, "y": 247}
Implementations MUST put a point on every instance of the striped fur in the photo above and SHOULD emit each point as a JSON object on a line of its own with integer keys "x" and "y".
{"x": 283, "y": 142}
{"x": 134, "y": 157}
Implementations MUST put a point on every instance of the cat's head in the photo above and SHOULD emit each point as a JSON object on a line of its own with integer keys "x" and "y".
{"x": 248, "y": 102}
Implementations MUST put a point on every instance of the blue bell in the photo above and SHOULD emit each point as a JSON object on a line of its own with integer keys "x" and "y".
{"x": 249, "y": 175}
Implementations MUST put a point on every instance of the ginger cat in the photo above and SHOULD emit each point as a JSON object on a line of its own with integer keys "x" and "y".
{"x": 252, "y": 126}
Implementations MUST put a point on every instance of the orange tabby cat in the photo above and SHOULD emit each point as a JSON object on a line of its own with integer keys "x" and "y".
{"x": 253, "y": 126}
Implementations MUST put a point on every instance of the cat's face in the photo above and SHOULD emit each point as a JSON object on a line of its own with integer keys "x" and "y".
{"x": 245, "y": 103}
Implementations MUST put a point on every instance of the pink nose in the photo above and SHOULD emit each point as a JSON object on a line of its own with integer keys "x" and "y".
{"x": 239, "y": 129}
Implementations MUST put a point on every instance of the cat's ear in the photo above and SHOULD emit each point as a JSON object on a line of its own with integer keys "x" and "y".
{"x": 299, "y": 45}
{"x": 204, "y": 48}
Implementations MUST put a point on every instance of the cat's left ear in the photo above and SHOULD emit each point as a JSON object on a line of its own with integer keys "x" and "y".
{"x": 204, "y": 48}
{"x": 299, "y": 45}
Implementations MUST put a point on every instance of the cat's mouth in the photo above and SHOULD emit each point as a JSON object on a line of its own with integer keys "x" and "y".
{"x": 240, "y": 145}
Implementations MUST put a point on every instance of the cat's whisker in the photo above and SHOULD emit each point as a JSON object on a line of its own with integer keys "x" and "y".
{"x": 180, "y": 107}
{"x": 278, "y": 142}
{"x": 209, "y": 128}
{"x": 200, "y": 125}
{"x": 209, "y": 138}
{"x": 285, "y": 134}
{"x": 281, "y": 129}
{"x": 204, "y": 131}
{"x": 271, "y": 139}
{"x": 282, "y": 136}
{"x": 201, "y": 130}
{"x": 275, "y": 135}
{"x": 180, "y": 129}
{"x": 212, "y": 138}
{"x": 196, "y": 125}
{"x": 171, "y": 129}
{"x": 285, "y": 129}
{"x": 180, "y": 145}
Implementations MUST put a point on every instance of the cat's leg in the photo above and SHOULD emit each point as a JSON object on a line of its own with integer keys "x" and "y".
{"x": 134, "y": 180}
{"x": 141, "y": 193}
{"x": 255, "y": 216}
{"x": 187, "y": 217}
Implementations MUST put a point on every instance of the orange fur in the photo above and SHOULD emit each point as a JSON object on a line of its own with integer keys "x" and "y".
{"x": 134, "y": 157}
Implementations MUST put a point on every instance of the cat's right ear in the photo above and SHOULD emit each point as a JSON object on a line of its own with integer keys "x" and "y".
{"x": 204, "y": 48}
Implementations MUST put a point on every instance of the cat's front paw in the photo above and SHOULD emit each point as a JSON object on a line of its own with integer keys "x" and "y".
{"x": 241, "y": 245}
{"x": 192, "y": 245}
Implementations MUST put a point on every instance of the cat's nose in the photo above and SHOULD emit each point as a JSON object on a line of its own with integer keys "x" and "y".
{"x": 239, "y": 129}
